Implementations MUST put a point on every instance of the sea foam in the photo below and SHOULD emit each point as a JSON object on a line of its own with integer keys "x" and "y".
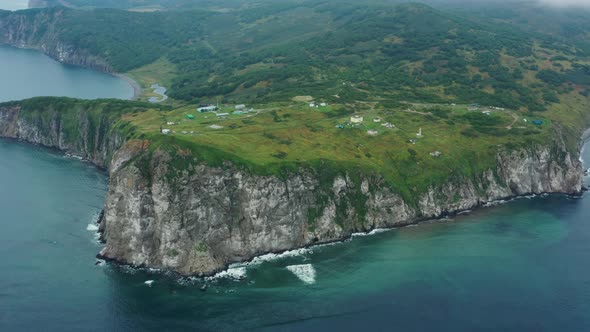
{"x": 271, "y": 257}
{"x": 305, "y": 272}
{"x": 92, "y": 227}
{"x": 373, "y": 232}
{"x": 238, "y": 273}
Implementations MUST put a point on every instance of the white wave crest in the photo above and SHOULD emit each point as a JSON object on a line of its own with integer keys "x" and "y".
{"x": 270, "y": 257}
{"x": 92, "y": 227}
{"x": 494, "y": 203}
{"x": 373, "y": 232}
{"x": 305, "y": 272}
{"x": 238, "y": 273}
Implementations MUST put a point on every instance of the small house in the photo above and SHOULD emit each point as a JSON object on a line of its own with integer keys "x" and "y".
{"x": 323, "y": 104}
{"x": 222, "y": 114}
{"x": 356, "y": 119}
{"x": 165, "y": 131}
{"x": 240, "y": 107}
{"x": 372, "y": 132}
{"x": 436, "y": 154}
{"x": 209, "y": 108}
{"x": 190, "y": 116}
{"x": 377, "y": 120}
{"x": 537, "y": 122}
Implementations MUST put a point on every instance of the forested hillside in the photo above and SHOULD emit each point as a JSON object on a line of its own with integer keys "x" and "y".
{"x": 338, "y": 50}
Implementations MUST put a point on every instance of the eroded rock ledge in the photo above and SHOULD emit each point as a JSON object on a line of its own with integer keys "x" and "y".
{"x": 208, "y": 217}
{"x": 198, "y": 220}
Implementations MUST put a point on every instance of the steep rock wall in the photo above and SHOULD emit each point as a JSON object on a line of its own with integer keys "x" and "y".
{"x": 201, "y": 219}
{"x": 197, "y": 219}
{"x": 39, "y": 32}
{"x": 86, "y": 136}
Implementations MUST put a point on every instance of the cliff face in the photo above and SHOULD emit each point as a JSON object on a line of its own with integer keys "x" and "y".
{"x": 198, "y": 220}
{"x": 79, "y": 133}
{"x": 38, "y": 31}
{"x": 170, "y": 210}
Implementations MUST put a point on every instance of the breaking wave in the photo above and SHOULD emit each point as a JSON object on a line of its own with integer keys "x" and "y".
{"x": 92, "y": 227}
{"x": 270, "y": 257}
{"x": 305, "y": 272}
{"x": 373, "y": 232}
{"x": 238, "y": 273}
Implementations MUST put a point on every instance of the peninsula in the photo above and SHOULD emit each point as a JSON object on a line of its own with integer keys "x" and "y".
{"x": 268, "y": 144}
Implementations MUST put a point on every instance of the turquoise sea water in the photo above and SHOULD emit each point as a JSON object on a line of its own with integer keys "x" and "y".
{"x": 520, "y": 266}
{"x": 28, "y": 73}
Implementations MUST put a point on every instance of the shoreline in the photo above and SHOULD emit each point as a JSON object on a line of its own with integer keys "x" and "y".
{"x": 585, "y": 140}
{"x": 417, "y": 221}
{"x": 137, "y": 89}
{"x": 239, "y": 264}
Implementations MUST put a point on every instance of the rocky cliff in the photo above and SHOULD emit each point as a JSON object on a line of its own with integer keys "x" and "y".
{"x": 200, "y": 219}
{"x": 38, "y": 30}
{"x": 168, "y": 209}
{"x": 79, "y": 132}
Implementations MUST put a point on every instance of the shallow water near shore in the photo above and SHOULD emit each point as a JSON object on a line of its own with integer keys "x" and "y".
{"x": 517, "y": 266}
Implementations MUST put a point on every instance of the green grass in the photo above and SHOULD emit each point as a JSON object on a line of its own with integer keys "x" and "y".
{"x": 161, "y": 72}
{"x": 283, "y": 137}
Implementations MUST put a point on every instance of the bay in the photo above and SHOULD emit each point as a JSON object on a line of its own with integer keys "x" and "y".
{"x": 28, "y": 73}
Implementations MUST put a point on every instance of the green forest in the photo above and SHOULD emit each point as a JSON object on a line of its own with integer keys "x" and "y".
{"x": 337, "y": 50}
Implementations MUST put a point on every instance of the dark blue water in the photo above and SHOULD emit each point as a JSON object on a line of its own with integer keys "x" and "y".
{"x": 520, "y": 266}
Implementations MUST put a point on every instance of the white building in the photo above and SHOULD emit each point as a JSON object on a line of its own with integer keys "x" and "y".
{"x": 240, "y": 107}
{"x": 165, "y": 131}
{"x": 356, "y": 119}
{"x": 209, "y": 108}
{"x": 436, "y": 154}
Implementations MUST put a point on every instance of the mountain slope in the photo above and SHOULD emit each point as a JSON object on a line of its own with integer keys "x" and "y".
{"x": 408, "y": 52}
